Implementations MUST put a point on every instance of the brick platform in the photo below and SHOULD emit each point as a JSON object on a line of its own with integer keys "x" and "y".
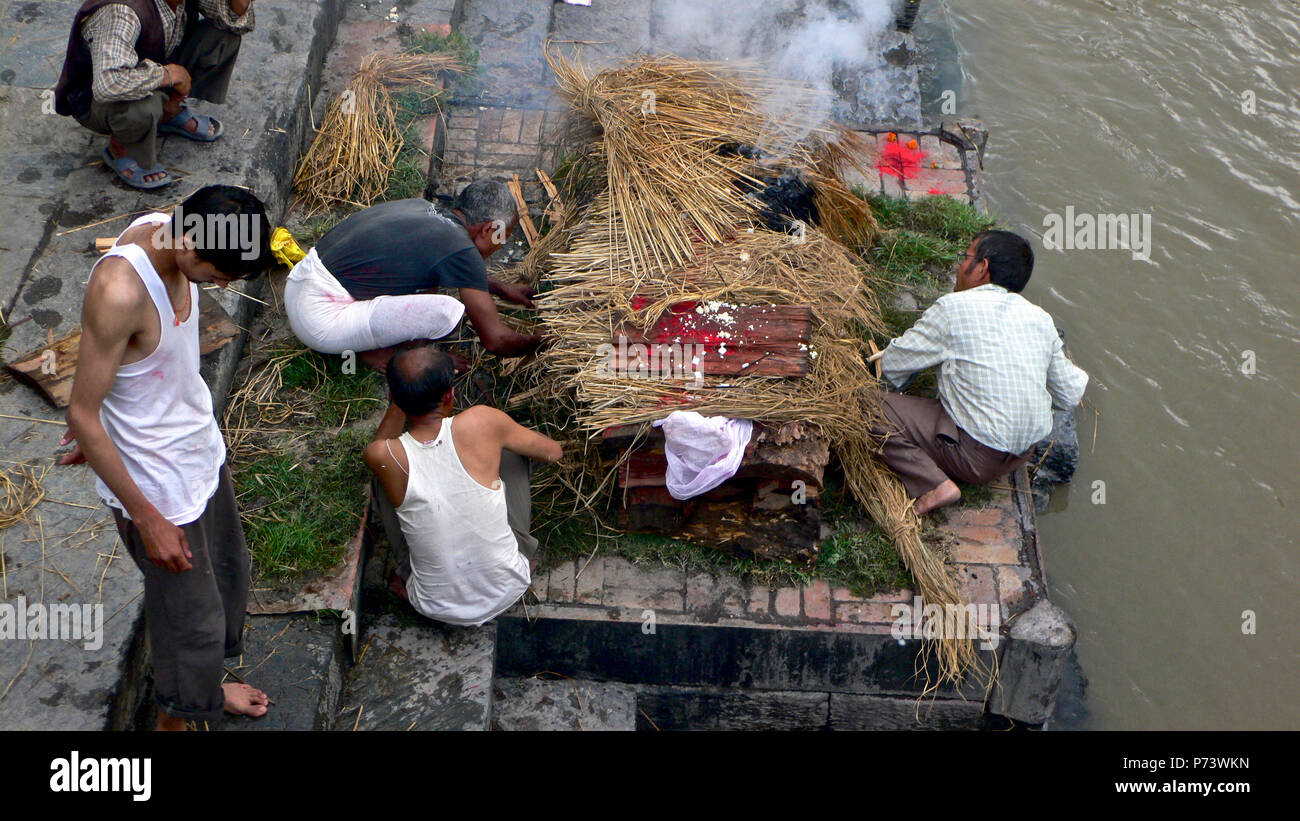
{"x": 992, "y": 554}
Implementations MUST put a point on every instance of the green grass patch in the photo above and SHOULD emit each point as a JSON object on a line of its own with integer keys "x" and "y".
{"x": 302, "y": 508}
{"x": 338, "y": 391}
{"x": 419, "y": 41}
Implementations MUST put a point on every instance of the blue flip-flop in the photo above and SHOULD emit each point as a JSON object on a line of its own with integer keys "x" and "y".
{"x": 120, "y": 165}
{"x": 176, "y": 125}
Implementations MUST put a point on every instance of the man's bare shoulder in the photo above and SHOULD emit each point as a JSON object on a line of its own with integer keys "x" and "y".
{"x": 481, "y": 416}
{"x": 483, "y": 424}
{"x": 380, "y": 453}
{"x": 115, "y": 287}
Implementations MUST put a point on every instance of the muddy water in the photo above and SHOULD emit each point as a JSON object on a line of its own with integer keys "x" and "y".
{"x": 1189, "y": 112}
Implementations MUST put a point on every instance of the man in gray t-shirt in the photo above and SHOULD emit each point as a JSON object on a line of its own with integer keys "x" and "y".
{"x": 406, "y": 249}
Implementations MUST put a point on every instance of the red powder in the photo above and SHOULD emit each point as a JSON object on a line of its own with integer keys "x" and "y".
{"x": 898, "y": 160}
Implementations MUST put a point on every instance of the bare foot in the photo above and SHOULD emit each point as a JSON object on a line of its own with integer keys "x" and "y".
{"x": 398, "y": 587}
{"x": 944, "y": 494}
{"x": 119, "y": 150}
{"x": 242, "y": 700}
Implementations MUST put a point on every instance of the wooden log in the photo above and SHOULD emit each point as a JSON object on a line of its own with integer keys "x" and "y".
{"x": 717, "y": 340}
{"x": 734, "y": 527}
{"x": 50, "y": 370}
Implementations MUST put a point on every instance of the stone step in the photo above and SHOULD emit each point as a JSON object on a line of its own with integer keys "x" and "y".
{"x": 610, "y": 30}
{"x": 508, "y": 35}
{"x": 563, "y": 704}
{"x": 298, "y": 661}
{"x": 416, "y": 674}
{"x": 57, "y": 198}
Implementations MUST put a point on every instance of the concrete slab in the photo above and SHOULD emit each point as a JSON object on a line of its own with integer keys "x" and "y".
{"x": 509, "y": 35}
{"x": 297, "y": 660}
{"x": 416, "y": 674}
{"x": 613, "y": 29}
{"x": 563, "y": 704}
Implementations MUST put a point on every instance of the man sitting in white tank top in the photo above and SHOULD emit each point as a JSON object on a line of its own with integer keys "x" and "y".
{"x": 457, "y": 494}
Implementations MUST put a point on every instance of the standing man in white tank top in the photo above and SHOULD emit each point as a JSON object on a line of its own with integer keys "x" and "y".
{"x": 142, "y": 417}
{"x": 457, "y": 485}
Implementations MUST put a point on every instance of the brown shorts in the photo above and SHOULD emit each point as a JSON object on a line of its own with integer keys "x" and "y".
{"x": 925, "y": 447}
{"x": 195, "y": 618}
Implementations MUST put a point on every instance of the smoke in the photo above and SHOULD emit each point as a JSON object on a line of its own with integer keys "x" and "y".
{"x": 815, "y": 44}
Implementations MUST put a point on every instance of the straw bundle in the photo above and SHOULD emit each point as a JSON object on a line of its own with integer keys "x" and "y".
{"x": 668, "y": 221}
{"x": 358, "y": 143}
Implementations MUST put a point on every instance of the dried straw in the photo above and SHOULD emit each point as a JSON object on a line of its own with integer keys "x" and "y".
{"x": 357, "y": 144}
{"x": 658, "y": 213}
{"x": 22, "y": 490}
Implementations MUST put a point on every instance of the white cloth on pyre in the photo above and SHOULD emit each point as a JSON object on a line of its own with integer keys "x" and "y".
{"x": 703, "y": 451}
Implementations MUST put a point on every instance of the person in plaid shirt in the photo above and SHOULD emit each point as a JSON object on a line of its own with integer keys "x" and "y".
{"x": 1002, "y": 370}
{"x": 130, "y": 65}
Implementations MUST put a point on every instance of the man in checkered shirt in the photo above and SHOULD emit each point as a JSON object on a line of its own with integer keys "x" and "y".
{"x": 130, "y": 65}
{"x": 1002, "y": 370}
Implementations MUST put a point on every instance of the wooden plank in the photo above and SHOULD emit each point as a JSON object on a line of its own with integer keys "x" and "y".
{"x": 50, "y": 370}
{"x": 525, "y": 221}
{"x": 718, "y": 340}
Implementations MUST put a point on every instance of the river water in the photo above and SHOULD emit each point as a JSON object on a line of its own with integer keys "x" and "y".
{"x": 1189, "y": 112}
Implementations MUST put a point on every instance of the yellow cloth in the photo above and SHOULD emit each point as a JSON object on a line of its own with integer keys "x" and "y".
{"x": 284, "y": 247}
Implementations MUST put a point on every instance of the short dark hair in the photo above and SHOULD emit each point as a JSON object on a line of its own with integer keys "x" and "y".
{"x": 419, "y": 376}
{"x": 1011, "y": 259}
{"x": 236, "y": 233}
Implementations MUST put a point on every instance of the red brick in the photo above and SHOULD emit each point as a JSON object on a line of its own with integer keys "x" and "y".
{"x": 559, "y": 587}
{"x": 591, "y": 580}
{"x": 489, "y": 119}
{"x": 980, "y": 516}
{"x": 714, "y": 598}
{"x": 643, "y": 598}
{"x": 944, "y": 154}
{"x": 458, "y": 158}
{"x": 817, "y": 600}
{"x": 978, "y": 534}
{"x": 977, "y": 584}
{"x": 530, "y": 128}
{"x": 787, "y": 601}
{"x": 514, "y": 149}
{"x": 760, "y": 599}
{"x": 658, "y": 588}
{"x": 938, "y": 181}
{"x": 983, "y": 545}
{"x": 843, "y": 594}
{"x": 865, "y": 612}
{"x": 890, "y": 186}
{"x": 457, "y": 133}
{"x": 902, "y": 594}
{"x": 511, "y": 120}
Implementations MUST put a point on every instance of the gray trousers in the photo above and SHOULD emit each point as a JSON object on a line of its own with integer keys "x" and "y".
{"x": 515, "y": 473}
{"x": 208, "y": 54}
{"x": 195, "y": 618}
